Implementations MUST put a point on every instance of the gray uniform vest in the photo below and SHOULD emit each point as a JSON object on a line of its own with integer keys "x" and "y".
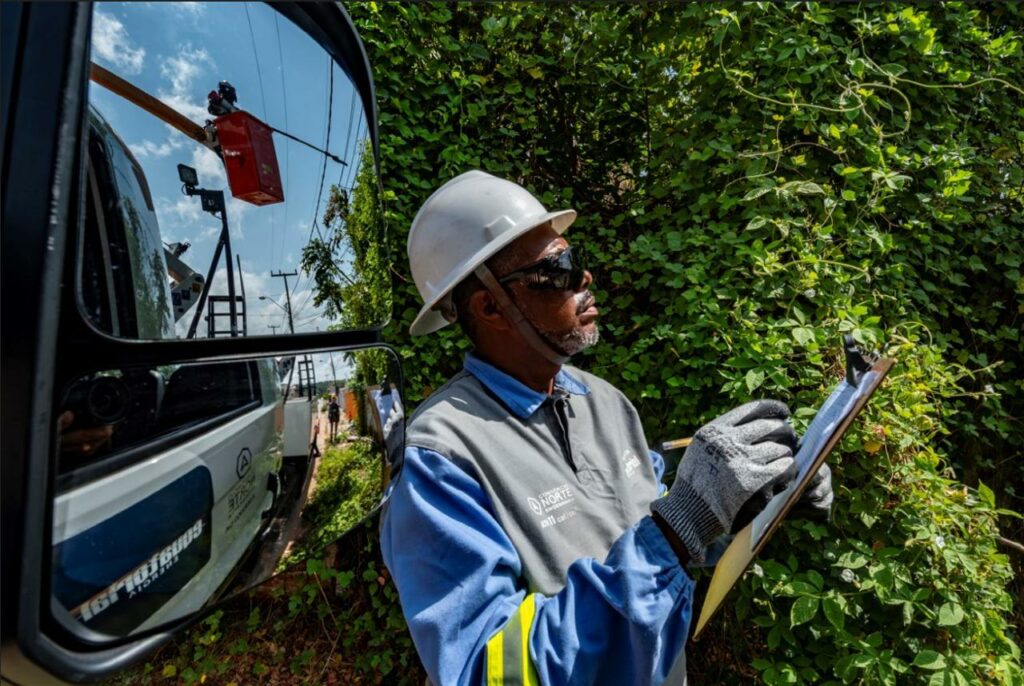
{"x": 564, "y": 483}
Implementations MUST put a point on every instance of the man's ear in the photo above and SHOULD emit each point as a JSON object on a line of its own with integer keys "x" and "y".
{"x": 486, "y": 311}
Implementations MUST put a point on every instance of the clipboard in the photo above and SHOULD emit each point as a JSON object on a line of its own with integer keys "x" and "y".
{"x": 863, "y": 376}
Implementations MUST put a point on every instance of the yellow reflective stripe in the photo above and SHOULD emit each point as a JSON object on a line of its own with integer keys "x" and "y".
{"x": 508, "y": 651}
{"x": 526, "y": 613}
{"x": 495, "y": 668}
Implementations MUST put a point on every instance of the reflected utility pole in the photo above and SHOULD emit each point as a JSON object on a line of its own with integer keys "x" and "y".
{"x": 287, "y": 295}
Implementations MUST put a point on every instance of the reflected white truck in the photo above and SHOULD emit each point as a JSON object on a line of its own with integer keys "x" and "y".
{"x": 162, "y": 522}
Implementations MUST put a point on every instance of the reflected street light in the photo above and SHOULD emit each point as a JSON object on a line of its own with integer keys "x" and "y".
{"x": 286, "y": 307}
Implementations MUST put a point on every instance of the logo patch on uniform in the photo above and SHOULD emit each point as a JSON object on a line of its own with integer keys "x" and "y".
{"x": 630, "y": 462}
{"x": 549, "y": 501}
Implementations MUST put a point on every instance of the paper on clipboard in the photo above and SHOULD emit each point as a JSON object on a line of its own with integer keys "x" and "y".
{"x": 826, "y": 429}
{"x": 823, "y": 426}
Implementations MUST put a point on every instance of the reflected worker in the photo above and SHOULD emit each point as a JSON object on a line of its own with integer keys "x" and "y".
{"x": 527, "y": 528}
{"x": 333, "y": 416}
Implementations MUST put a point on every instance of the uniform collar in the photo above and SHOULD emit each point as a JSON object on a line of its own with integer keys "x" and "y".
{"x": 518, "y": 397}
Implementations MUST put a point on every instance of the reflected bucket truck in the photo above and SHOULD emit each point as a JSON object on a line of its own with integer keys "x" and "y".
{"x": 199, "y": 461}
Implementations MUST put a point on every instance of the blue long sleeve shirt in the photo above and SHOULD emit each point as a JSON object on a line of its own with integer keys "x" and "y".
{"x": 621, "y": 620}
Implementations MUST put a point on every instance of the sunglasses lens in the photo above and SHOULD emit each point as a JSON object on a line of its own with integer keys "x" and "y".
{"x": 579, "y": 270}
{"x": 562, "y": 273}
{"x": 567, "y": 273}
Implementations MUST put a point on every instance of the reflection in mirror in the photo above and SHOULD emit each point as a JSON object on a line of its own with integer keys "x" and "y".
{"x": 231, "y": 182}
{"x": 181, "y": 485}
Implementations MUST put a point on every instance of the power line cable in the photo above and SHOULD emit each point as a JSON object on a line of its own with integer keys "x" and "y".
{"x": 327, "y": 142}
{"x": 287, "y": 143}
{"x": 259, "y": 73}
{"x": 263, "y": 102}
{"x": 327, "y": 129}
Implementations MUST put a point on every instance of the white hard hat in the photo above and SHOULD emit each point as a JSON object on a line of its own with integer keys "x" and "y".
{"x": 462, "y": 225}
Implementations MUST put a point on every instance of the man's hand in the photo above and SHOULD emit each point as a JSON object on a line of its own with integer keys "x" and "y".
{"x": 746, "y": 451}
{"x": 816, "y": 502}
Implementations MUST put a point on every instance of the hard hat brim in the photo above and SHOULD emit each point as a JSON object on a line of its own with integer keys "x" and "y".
{"x": 429, "y": 320}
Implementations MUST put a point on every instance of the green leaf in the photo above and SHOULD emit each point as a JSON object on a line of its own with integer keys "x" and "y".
{"x": 810, "y": 188}
{"x": 986, "y": 495}
{"x": 849, "y": 195}
{"x": 833, "y": 612}
{"x": 803, "y": 335}
{"x": 950, "y": 614}
{"x": 929, "y": 659}
{"x": 803, "y": 610}
{"x": 754, "y": 193}
{"x": 754, "y": 378}
{"x": 756, "y": 223}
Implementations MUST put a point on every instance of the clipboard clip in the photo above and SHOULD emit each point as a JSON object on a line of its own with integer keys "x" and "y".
{"x": 856, "y": 362}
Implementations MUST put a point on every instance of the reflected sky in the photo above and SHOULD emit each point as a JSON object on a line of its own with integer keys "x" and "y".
{"x": 178, "y": 52}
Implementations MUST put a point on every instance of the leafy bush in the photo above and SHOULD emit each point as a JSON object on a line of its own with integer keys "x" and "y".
{"x": 347, "y": 487}
{"x": 333, "y": 621}
{"x": 754, "y": 180}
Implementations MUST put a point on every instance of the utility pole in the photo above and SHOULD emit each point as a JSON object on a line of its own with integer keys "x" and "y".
{"x": 287, "y": 295}
{"x": 334, "y": 375}
{"x": 274, "y": 328}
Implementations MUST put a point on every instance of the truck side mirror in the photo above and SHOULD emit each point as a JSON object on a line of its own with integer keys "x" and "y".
{"x": 147, "y": 477}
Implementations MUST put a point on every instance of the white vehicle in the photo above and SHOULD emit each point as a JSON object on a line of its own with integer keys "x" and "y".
{"x": 153, "y": 520}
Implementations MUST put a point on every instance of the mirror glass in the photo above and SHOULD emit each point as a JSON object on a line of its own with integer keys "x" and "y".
{"x": 231, "y": 185}
{"x": 181, "y": 485}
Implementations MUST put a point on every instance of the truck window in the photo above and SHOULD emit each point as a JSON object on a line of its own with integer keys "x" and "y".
{"x": 116, "y": 418}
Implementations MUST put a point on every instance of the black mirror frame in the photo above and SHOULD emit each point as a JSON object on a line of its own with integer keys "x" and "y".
{"x": 45, "y": 87}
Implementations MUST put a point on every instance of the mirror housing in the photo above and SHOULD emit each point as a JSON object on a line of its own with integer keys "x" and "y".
{"x": 45, "y": 90}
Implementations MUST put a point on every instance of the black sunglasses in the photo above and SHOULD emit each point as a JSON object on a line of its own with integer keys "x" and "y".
{"x": 562, "y": 272}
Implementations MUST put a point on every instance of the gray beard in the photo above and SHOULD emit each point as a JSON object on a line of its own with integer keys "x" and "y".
{"x": 572, "y": 341}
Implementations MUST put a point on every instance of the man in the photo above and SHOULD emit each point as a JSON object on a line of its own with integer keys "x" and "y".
{"x": 524, "y": 529}
{"x": 333, "y": 416}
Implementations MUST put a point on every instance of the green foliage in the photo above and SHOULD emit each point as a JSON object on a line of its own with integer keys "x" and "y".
{"x": 753, "y": 181}
{"x": 349, "y": 259}
{"x": 347, "y": 489}
{"x": 329, "y": 621}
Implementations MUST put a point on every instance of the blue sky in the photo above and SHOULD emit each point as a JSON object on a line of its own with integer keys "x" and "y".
{"x": 178, "y": 52}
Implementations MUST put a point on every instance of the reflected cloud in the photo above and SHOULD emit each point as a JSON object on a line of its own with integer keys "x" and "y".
{"x": 181, "y": 71}
{"x": 111, "y": 43}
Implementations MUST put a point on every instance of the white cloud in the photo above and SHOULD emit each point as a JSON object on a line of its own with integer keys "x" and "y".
{"x": 111, "y": 43}
{"x": 209, "y": 167}
{"x": 181, "y": 71}
{"x": 189, "y": 9}
{"x": 261, "y": 314}
{"x": 148, "y": 148}
{"x": 184, "y": 208}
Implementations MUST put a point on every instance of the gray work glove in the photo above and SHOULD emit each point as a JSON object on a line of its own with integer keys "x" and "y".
{"x": 816, "y": 502}
{"x": 745, "y": 452}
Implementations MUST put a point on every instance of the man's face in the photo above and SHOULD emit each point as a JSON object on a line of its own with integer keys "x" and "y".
{"x": 566, "y": 318}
